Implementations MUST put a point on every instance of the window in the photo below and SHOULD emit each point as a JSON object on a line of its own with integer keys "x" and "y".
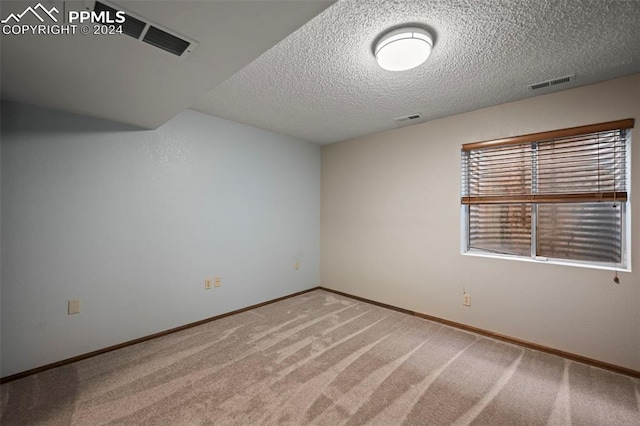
{"x": 553, "y": 196}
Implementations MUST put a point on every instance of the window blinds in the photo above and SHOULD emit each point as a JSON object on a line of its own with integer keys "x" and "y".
{"x": 556, "y": 194}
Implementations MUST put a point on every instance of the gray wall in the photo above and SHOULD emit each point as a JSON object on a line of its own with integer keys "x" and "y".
{"x": 1, "y": 111}
{"x": 132, "y": 221}
{"x": 390, "y": 230}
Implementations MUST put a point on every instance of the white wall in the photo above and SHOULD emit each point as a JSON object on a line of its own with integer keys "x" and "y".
{"x": 390, "y": 230}
{"x": 131, "y": 222}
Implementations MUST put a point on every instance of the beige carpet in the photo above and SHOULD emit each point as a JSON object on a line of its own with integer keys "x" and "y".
{"x": 324, "y": 359}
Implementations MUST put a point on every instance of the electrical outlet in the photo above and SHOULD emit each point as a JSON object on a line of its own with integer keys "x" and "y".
{"x": 466, "y": 299}
{"x": 217, "y": 282}
{"x": 73, "y": 307}
{"x": 207, "y": 284}
{"x": 296, "y": 266}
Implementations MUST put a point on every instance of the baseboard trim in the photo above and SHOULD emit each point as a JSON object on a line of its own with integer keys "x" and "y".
{"x": 491, "y": 334}
{"x": 67, "y": 361}
{"x": 498, "y": 336}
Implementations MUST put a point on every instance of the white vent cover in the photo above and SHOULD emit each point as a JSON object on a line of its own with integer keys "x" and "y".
{"x": 553, "y": 82}
{"x": 141, "y": 29}
{"x": 407, "y": 119}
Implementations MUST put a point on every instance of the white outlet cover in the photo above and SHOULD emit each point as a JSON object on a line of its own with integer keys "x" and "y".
{"x": 73, "y": 307}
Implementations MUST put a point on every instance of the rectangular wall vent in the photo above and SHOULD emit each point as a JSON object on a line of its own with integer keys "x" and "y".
{"x": 554, "y": 82}
{"x": 408, "y": 118}
{"x": 141, "y": 29}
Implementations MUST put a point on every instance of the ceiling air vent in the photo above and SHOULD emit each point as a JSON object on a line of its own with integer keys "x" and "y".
{"x": 132, "y": 27}
{"x": 407, "y": 119}
{"x": 554, "y": 82}
{"x": 165, "y": 41}
{"x": 142, "y": 29}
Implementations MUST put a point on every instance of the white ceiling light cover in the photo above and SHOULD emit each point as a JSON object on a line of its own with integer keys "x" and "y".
{"x": 403, "y": 49}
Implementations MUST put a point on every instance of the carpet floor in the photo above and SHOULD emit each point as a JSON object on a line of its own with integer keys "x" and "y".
{"x": 320, "y": 358}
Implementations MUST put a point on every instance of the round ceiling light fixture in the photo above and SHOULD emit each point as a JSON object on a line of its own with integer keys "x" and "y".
{"x": 403, "y": 49}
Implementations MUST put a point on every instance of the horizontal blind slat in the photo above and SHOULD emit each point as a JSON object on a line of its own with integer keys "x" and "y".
{"x": 577, "y": 197}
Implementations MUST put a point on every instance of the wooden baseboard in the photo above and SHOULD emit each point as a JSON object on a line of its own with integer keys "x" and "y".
{"x": 508, "y": 339}
{"x": 142, "y": 339}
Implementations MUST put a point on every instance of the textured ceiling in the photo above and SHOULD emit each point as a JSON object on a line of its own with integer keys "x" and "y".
{"x": 306, "y": 68}
{"x": 322, "y": 83}
{"x": 119, "y": 78}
